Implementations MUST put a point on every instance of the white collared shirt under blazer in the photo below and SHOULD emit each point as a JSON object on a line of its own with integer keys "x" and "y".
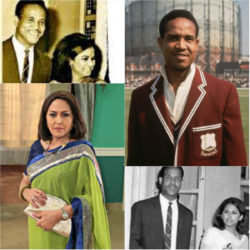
{"x": 176, "y": 103}
{"x": 20, "y": 54}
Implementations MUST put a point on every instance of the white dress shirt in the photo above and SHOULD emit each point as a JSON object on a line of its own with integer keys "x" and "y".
{"x": 164, "y": 210}
{"x": 176, "y": 103}
{"x": 20, "y": 54}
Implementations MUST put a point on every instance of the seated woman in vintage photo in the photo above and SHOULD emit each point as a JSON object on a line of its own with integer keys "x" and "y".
{"x": 76, "y": 59}
{"x": 62, "y": 167}
{"x": 230, "y": 227}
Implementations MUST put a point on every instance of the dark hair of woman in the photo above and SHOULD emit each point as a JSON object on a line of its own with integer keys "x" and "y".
{"x": 241, "y": 227}
{"x": 79, "y": 128}
{"x": 68, "y": 48}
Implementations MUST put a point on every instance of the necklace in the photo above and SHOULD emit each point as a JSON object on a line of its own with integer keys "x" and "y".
{"x": 47, "y": 148}
{"x": 46, "y": 153}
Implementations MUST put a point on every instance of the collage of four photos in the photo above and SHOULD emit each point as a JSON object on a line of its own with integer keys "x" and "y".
{"x": 124, "y": 124}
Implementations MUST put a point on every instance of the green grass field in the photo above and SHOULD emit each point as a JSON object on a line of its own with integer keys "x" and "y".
{"x": 244, "y": 106}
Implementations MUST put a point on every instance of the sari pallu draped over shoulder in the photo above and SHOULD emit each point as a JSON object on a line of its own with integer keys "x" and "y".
{"x": 73, "y": 175}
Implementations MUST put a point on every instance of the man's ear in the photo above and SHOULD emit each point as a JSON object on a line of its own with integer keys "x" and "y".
{"x": 16, "y": 20}
{"x": 197, "y": 42}
{"x": 160, "y": 41}
{"x": 160, "y": 180}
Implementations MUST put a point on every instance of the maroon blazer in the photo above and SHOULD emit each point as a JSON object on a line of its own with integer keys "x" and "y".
{"x": 146, "y": 228}
{"x": 210, "y": 132}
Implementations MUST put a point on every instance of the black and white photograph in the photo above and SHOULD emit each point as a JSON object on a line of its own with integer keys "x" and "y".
{"x": 209, "y": 207}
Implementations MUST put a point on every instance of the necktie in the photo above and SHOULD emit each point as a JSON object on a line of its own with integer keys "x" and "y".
{"x": 167, "y": 236}
{"x": 25, "y": 67}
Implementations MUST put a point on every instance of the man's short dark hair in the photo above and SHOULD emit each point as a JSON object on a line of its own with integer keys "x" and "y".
{"x": 161, "y": 175}
{"x": 175, "y": 14}
{"x": 22, "y": 3}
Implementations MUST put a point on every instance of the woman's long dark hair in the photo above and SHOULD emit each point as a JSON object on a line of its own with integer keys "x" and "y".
{"x": 68, "y": 48}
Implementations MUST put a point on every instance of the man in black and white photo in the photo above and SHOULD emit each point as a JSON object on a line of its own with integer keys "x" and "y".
{"x": 162, "y": 222}
{"x": 22, "y": 61}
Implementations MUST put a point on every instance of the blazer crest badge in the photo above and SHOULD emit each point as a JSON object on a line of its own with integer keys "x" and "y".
{"x": 208, "y": 144}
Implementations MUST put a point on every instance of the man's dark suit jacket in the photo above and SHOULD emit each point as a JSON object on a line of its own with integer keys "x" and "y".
{"x": 146, "y": 230}
{"x": 210, "y": 130}
{"x": 41, "y": 69}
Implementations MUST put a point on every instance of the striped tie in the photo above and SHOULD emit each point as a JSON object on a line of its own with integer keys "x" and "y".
{"x": 167, "y": 236}
{"x": 25, "y": 67}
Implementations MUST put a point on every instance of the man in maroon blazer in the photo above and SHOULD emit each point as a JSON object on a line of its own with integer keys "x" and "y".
{"x": 184, "y": 117}
{"x": 151, "y": 226}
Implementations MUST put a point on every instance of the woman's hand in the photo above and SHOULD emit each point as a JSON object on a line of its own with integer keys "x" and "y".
{"x": 35, "y": 196}
{"x": 48, "y": 218}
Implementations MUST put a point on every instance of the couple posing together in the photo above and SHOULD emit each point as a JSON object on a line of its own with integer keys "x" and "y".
{"x": 162, "y": 222}
{"x": 76, "y": 59}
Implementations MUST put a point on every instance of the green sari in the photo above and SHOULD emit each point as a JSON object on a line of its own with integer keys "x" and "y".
{"x": 71, "y": 174}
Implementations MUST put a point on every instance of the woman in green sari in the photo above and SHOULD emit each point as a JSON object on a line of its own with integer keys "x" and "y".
{"x": 63, "y": 165}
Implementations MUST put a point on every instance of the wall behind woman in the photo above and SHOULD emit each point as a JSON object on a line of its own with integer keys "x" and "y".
{"x": 108, "y": 138}
{"x": 64, "y": 19}
{"x": 225, "y": 183}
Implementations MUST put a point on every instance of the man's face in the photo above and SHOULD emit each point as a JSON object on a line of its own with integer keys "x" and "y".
{"x": 179, "y": 44}
{"x": 30, "y": 26}
{"x": 171, "y": 182}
